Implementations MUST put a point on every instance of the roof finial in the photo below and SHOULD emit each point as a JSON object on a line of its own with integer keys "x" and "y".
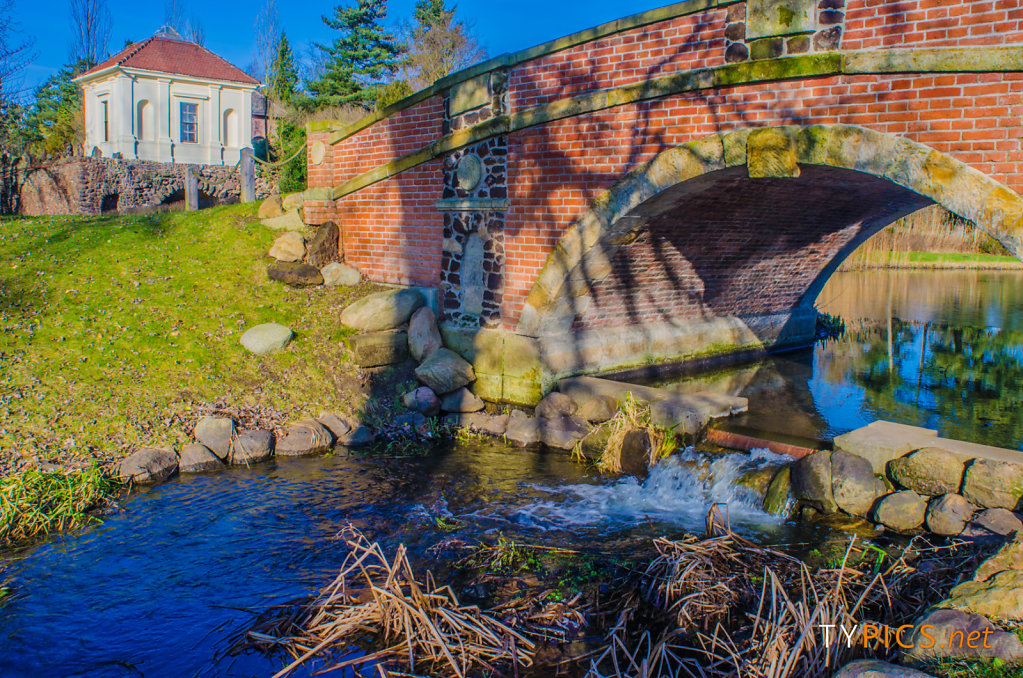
{"x": 167, "y": 32}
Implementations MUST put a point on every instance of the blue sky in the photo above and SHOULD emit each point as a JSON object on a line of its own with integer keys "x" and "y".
{"x": 228, "y": 24}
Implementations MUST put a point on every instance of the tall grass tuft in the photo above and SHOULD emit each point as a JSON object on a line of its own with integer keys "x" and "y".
{"x": 630, "y": 417}
{"x": 34, "y": 502}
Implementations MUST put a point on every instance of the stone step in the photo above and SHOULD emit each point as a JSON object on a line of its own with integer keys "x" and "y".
{"x": 289, "y": 221}
{"x": 708, "y": 405}
{"x": 882, "y": 441}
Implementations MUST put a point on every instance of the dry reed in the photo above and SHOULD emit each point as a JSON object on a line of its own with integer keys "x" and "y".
{"x": 376, "y": 600}
{"x": 631, "y": 416}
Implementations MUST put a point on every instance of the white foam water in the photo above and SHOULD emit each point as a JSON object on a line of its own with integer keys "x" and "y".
{"x": 679, "y": 491}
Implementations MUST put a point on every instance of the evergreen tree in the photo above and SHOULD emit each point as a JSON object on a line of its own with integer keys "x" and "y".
{"x": 55, "y": 124}
{"x": 357, "y": 60}
{"x": 431, "y": 12}
{"x": 283, "y": 72}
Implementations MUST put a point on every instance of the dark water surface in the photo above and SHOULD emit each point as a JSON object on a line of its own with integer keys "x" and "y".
{"x": 157, "y": 588}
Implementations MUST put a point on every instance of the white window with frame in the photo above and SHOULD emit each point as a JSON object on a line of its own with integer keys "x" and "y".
{"x": 189, "y": 122}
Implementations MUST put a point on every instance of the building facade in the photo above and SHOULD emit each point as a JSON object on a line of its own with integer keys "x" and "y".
{"x": 168, "y": 100}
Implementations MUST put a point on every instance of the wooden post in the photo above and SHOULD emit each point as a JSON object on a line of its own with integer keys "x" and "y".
{"x": 248, "y": 176}
{"x": 191, "y": 190}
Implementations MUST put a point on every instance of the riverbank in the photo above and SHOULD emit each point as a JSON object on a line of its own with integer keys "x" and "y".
{"x": 936, "y": 261}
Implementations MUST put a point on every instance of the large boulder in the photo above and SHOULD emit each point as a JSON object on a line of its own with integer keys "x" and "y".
{"x": 294, "y": 274}
{"x": 147, "y": 465}
{"x": 461, "y": 400}
{"x": 555, "y": 405}
{"x": 930, "y": 471}
{"x": 291, "y": 220}
{"x": 197, "y": 458}
{"x": 445, "y": 371}
{"x": 1000, "y": 596}
{"x": 304, "y": 437}
{"x": 776, "y": 500}
{"x": 994, "y": 484}
{"x": 491, "y": 424}
{"x": 853, "y": 483}
{"x": 293, "y": 201}
{"x": 563, "y": 432}
{"x": 380, "y": 348}
{"x": 423, "y": 335}
{"x": 215, "y": 433}
{"x": 345, "y": 431}
{"x": 323, "y": 247}
{"x": 522, "y": 430}
{"x": 948, "y": 514}
{"x": 288, "y": 247}
{"x": 875, "y": 668}
{"x": 1008, "y": 557}
{"x": 383, "y": 310}
{"x": 335, "y": 274}
{"x": 992, "y": 523}
{"x": 943, "y": 634}
{"x": 423, "y": 400}
{"x": 251, "y": 447}
{"x": 901, "y": 511}
{"x": 811, "y": 481}
{"x": 267, "y": 337}
{"x": 598, "y": 409}
{"x": 271, "y": 207}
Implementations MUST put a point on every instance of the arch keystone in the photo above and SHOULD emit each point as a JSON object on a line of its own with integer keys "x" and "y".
{"x": 771, "y": 153}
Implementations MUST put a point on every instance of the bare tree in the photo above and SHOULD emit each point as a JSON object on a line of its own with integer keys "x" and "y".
{"x": 15, "y": 53}
{"x": 194, "y": 32}
{"x": 438, "y": 47}
{"x": 90, "y": 30}
{"x": 174, "y": 14}
{"x": 268, "y": 33}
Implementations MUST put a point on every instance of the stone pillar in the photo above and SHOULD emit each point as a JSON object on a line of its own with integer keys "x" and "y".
{"x": 191, "y": 190}
{"x": 247, "y": 171}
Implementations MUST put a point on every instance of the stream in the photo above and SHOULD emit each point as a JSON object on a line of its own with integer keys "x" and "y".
{"x": 156, "y": 589}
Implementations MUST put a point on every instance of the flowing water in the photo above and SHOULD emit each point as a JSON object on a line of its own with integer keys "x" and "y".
{"x": 158, "y": 586}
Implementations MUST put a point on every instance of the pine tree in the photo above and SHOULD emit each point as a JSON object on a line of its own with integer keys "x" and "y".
{"x": 431, "y": 12}
{"x": 283, "y": 72}
{"x": 55, "y": 125}
{"x": 359, "y": 58}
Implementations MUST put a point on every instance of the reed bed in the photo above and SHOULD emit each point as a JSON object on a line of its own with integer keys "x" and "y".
{"x": 378, "y": 601}
{"x": 35, "y": 503}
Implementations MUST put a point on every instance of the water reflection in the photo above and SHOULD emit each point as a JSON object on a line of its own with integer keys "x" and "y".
{"x": 939, "y": 349}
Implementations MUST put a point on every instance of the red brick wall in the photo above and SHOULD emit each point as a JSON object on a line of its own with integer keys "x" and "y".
{"x": 870, "y": 24}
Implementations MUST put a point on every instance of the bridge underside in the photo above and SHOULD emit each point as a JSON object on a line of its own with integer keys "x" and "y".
{"x": 720, "y": 264}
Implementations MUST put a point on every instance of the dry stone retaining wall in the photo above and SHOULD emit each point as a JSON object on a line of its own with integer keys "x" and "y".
{"x": 98, "y": 185}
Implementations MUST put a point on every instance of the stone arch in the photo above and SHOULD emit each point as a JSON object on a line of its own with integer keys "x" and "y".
{"x": 585, "y": 252}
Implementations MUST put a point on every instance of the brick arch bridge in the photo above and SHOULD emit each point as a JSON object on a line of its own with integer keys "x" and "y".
{"x": 678, "y": 184}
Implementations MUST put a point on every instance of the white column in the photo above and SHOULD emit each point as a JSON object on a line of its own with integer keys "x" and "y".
{"x": 163, "y": 118}
{"x": 121, "y": 138}
{"x": 215, "y": 137}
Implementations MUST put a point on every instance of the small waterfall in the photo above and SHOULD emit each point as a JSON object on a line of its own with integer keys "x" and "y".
{"x": 679, "y": 491}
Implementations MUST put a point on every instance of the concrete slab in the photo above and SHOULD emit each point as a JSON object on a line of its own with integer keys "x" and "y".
{"x": 707, "y": 405}
{"x": 883, "y": 441}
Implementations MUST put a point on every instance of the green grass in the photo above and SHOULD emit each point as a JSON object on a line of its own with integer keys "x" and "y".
{"x": 116, "y": 327}
{"x": 960, "y": 258}
{"x": 973, "y": 668}
{"x": 34, "y": 503}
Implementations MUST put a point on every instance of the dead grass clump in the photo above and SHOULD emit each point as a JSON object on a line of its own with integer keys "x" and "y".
{"x": 631, "y": 416}
{"x": 376, "y": 601}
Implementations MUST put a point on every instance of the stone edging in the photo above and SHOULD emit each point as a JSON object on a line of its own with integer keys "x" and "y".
{"x": 876, "y": 62}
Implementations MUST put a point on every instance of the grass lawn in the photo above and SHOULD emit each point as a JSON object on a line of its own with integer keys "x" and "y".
{"x": 954, "y": 257}
{"x": 116, "y": 328}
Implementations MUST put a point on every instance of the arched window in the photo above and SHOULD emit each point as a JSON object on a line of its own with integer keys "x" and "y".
{"x": 231, "y": 132}
{"x": 144, "y": 122}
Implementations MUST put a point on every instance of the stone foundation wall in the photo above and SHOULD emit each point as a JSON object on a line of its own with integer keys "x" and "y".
{"x": 98, "y": 185}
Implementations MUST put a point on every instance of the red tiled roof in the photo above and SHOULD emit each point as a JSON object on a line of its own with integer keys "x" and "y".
{"x": 179, "y": 57}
